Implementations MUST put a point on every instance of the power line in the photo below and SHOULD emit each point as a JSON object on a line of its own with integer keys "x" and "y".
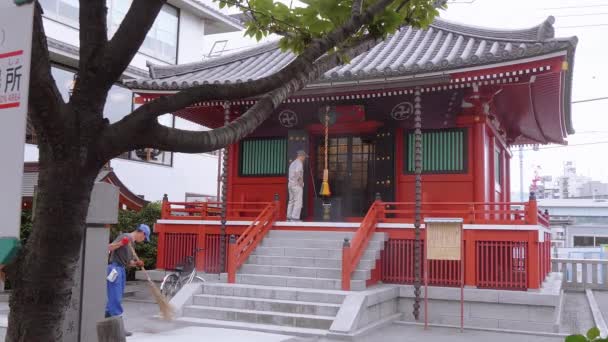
{"x": 580, "y": 15}
{"x": 591, "y": 99}
{"x": 579, "y": 26}
{"x": 566, "y": 7}
{"x": 564, "y": 146}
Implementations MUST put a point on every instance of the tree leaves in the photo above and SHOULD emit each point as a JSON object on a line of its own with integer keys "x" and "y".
{"x": 593, "y": 335}
{"x": 301, "y": 24}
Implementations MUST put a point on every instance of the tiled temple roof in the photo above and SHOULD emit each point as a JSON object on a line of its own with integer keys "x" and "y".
{"x": 443, "y": 47}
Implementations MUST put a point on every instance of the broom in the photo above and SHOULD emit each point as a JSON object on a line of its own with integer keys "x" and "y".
{"x": 166, "y": 310}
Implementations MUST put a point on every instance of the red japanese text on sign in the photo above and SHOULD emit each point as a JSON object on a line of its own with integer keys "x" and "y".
{"x": 11, "y": 74}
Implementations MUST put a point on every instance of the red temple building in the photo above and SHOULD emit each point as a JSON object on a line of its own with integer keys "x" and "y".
{"x": 480, "y": 92}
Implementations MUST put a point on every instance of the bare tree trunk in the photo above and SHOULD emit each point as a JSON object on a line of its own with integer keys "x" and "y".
{"x": 42, "y": 275}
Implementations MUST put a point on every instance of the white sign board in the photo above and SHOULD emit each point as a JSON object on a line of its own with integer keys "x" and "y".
{"x": 15, "y": 54}
{"x": 444, "y": 240}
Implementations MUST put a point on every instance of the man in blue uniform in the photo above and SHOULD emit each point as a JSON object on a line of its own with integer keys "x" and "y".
{"x": 121, "y": 257}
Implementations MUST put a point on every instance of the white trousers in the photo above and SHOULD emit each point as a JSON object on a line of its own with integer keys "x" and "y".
{"x": 294, "y": 206}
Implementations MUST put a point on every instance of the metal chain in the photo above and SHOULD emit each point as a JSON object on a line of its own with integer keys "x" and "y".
{"x": 224, "y": 199}
{"x": 326, "y": 134}
{"x": 418, "y": 199}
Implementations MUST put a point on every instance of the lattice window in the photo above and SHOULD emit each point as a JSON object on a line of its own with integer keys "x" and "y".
{"x": 443, "y": 151}
{"x": 263, "y": 157}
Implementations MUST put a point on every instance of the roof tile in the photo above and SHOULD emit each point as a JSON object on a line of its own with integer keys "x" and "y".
{"x": 444, "y": 46}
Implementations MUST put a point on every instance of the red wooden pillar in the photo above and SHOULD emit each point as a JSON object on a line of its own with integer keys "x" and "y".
{"x": 470, "y": 261}
{"x": 231, "y": 264}
{"x": 534, "y": 261}
{"x": 479, "y": 147}
{"x": 346, "y": 255}
{"x": 161, "y": 246}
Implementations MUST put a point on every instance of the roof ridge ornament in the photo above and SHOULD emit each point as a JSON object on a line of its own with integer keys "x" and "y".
{"x": 546, "y": 30}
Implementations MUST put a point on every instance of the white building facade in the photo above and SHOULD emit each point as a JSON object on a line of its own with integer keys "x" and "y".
{"x": 182, "y": 33}
{"x": 577, "y": 222}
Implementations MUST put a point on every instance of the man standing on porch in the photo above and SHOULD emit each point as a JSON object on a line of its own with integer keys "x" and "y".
{"x": 296, "y": 187}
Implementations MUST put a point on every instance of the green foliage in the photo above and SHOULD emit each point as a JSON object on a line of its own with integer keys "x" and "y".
{"x": 593, "y": 334}
{"x": 26, "y": 226}
{"x": 300, "y": 25}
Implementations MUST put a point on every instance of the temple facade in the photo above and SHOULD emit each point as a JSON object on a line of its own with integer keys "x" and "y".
{"x": 479, "y": 91}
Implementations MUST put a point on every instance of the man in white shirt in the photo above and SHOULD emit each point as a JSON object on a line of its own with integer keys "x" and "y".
{"x": 296, "y": 187}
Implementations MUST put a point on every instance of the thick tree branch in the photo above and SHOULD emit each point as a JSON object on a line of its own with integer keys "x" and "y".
{"x": 118, "y": 137}
{"x": 93, "y": 41}
{"x": 128, "y": 39}
{"x": 172, "y": 139}
{"x": 45, "y": 102}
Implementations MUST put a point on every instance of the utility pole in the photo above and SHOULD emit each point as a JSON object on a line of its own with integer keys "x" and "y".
{"x": 521, "y": 173}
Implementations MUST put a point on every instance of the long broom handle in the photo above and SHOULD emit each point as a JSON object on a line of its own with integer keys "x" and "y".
{"x": 138, "y": 259}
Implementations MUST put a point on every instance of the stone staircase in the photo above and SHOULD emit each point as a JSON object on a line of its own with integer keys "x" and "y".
{"x": 303, "y": 312}
{"x": 307, "y": 259}
{"x": 290, "y": 284}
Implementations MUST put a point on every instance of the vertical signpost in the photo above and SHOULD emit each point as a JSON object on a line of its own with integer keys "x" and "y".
{"x": 444, "y": 241}
{"x": 15, "y": 54}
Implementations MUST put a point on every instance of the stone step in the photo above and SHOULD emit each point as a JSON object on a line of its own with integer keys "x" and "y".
{"x": 313, "y": 243}
{"x": 329, "y": 235}
{"x": 262, "y": 304}
{"x": 310, "y": 272}
{"x": 364, "y": 264}
{"x": 269, "y": 328}
{"x": 261, "y": 317}
{"x": 370, "y": 252}
{"x": 300, "y": 282}
{"x": 275, "y": 292}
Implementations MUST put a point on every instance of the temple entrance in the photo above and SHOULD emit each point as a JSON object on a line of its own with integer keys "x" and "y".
{"x": 350, "y": 160}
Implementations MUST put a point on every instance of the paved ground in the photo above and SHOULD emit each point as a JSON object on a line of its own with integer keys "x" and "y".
{"x": 139, "y": 319}
{"x": 404, "y": 333}
{"x": 577, "y": 316}
{"x": 196, "y": 334}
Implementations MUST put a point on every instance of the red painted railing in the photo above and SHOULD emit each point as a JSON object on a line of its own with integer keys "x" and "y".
{"x": 510, "y": 213}
{"x": 210, "y": 210}
{"x": 502, "y": 264}
{"x": 182, "y": 246}
{"x": 353, "y": 251}
{"x": 544, "y": 251}
{"x": 400, "y": 268}
{"x": 254, "y": 234}
{"x": 213, "y": 253}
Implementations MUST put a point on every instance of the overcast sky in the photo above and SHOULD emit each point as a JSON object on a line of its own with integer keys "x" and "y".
{"x": 586, "y": 19}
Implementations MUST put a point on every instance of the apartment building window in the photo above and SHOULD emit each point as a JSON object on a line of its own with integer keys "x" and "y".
{"x": 161, "y": 41}
{"x": 65, "y": 9}
{"x": 590, "y": 241}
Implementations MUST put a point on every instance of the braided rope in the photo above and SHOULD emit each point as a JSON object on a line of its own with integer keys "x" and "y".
{"x": 326, "y": 135}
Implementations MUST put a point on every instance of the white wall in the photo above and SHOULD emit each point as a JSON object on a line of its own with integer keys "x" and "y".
{"x": 191, "y": 41}
{"x": 191, "y": 38}
{"x": 195, "y": 173}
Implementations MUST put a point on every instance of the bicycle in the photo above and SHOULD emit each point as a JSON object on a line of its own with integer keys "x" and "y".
{"x": 184, "y": 273}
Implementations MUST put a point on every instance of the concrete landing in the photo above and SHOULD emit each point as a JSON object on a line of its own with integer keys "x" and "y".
{"x": 194, "y": 334}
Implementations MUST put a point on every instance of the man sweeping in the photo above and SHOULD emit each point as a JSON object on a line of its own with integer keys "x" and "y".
{"x": 295, "y": 186}
{"x": 121, "y": 257}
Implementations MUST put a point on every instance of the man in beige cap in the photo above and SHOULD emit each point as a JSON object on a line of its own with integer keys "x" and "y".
{"x": 296, "y": 187}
